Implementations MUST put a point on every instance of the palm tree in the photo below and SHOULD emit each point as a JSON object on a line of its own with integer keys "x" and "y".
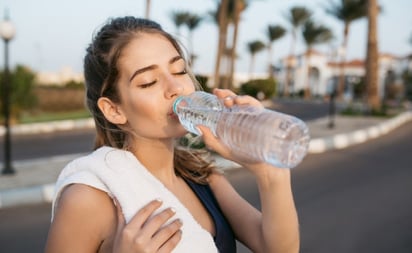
{"x": 229, "y": 13}
{"x": 254, "y": 47}
{"x": 148, "y": 3}
{"x": 179, "y": 18}
{"x": 346, "y": 11}
{"x": 274, "y": 32}
{"x": 313, "y": 34}
{"x": 192, "y": 22}
{"x": 372, "y": 57}
{"x": 296, "y": 17}
{"x": 236, "y": 7}
{"x": 222, "y": 21}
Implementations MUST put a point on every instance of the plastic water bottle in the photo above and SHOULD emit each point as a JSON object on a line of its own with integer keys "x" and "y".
{"x": 254, "y": 134}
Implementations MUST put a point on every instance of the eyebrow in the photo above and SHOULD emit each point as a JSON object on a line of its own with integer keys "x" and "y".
{"x": 151, "y": 67}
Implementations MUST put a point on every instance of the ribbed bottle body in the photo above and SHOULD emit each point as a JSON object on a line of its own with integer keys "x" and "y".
{"x": 264, "y": 135}
{"x": 253, "y": 134}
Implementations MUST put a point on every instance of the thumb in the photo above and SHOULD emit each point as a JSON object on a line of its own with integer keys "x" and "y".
{"x": 212, "y": 142}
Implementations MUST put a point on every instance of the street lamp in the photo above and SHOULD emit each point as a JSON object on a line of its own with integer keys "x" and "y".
{"x": 332, "y": 107}
{"x": 7, "y": 32}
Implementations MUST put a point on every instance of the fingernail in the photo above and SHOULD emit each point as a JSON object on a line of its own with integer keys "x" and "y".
{"x": 179, "y": 221}
{"x": 200, "y": 133}
{"x": 159, "y": 200}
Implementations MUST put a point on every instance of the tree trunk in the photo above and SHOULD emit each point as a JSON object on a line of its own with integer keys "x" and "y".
{"x": 223, "y": 23}
{"x": 372, "y": 58}
{"x": 232, "y": 61}
{"x": 147, "y": 14}
{"x": 307, "y": 92}
{"x": 252, "y": 66}
{"x": 289, "y": 69}
{"x": 270, "y": 57}
{"x": 342, "y": 55}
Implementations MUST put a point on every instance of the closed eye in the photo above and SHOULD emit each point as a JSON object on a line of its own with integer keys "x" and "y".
{"x": 147, "y": 85}
{"x": 183, "y": 72}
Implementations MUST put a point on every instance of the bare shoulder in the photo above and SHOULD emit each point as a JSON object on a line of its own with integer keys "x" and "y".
{"x": 84, "y": 218}
{"x": 83, "y": 197}
{"x": 84, "y": 201}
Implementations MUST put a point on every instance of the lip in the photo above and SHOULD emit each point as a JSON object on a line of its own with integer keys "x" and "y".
{"x": 172, "y": 114}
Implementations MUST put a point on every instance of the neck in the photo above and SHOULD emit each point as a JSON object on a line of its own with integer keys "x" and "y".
{"x": 158, "y": 158}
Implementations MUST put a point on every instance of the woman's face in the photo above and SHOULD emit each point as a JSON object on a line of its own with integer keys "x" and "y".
{"x": 152, "y": 76}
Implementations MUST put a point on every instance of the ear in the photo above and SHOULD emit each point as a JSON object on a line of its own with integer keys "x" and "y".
{"x": 111, "y": 111}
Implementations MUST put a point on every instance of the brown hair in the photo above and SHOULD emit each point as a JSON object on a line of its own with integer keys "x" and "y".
{"x": 101, "y": 74}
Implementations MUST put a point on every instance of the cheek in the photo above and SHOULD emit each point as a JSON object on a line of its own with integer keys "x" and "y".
{"x": 143, "y": 109}
{"x": 189, "y": 85}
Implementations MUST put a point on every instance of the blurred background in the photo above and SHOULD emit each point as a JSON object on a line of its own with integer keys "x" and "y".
{"x": 308, "y": 48}
{"x": 318, "y": 59}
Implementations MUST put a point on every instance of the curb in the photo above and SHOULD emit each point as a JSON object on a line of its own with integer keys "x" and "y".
{"x": 48, "y": 127}
{"x": 27, "y": 195}
{"x": 340, "y": 141}
{"x": 44, "y": 193}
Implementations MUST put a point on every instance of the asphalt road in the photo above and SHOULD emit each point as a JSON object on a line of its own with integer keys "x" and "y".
{"x": 355, "y": 200}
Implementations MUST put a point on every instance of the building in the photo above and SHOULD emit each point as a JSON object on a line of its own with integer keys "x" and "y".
{"x": 65, "y": 75}
{"x": 320, "y": 72}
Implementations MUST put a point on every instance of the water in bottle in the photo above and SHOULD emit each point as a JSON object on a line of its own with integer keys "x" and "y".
{"x": 254, "y": 134}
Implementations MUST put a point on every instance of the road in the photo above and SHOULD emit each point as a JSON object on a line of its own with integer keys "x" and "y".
{"x": 80, "y": 141}
{"x": 355, "y": 200}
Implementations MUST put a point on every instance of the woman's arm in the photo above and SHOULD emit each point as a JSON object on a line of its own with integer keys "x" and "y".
{"x": 84, "y": 217}
{"x": 276, "y": 228}
{"x": 87, "y": 220}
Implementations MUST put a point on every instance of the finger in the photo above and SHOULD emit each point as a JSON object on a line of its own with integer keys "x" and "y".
{"x": 153, "y": 224}
{"x": 222, "y": 93}
{"x": 166, "y": 233}
{"x": 229, "y": 101}
{"x": 247, "y": 100}
{"x": 212, "y": 142}
{"x": 170, "y": 244}
{"x": 143, "y": 214}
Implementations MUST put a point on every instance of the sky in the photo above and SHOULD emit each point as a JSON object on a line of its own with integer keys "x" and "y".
{"x": 52, "y": 35}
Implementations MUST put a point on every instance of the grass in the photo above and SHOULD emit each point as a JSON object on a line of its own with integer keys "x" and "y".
{"x": 26, "y": 118}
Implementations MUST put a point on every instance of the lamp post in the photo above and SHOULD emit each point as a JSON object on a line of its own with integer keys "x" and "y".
{"x": 332, "y": 107}
{"x": 7, "y": 32}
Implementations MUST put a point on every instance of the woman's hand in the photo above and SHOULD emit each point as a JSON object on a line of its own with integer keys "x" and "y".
{"x": 147, "y": 233}
{"x": 212, "y": 142}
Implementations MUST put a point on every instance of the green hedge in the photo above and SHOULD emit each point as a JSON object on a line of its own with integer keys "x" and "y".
{"x": 254, "y": 87}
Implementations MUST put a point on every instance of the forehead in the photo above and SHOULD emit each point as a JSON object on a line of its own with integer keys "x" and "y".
{"x": 146, "y": 49}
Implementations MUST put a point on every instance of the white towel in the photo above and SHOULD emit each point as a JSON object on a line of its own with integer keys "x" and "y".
{"x": 120, "y": 174}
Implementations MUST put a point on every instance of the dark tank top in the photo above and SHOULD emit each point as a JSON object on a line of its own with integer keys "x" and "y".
{"x": 224, "y": 238}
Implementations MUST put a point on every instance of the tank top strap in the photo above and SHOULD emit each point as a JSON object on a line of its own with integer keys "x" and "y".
{"x": 224, "y": 239}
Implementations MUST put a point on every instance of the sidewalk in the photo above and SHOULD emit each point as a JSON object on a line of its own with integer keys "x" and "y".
{"x": 34, "y": 180}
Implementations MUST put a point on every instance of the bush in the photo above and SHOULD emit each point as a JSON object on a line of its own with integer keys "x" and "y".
{"x": 203, "y": 82}
{"x": 254, "y": 87}
{"x": 22, "y": 94}
{"x": 60, "y": 99}
{"x": 407, "y": 79}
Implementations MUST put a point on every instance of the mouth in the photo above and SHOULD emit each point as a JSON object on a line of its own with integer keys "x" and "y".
{"x": 172, "y": 114}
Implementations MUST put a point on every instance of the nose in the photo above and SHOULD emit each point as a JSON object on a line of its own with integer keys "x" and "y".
{"x": 174, "y": 87}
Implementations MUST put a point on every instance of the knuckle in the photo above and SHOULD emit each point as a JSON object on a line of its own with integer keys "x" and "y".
{"x": 139, "y": 241}
{"x": 127, "y": 233}
{"x": 172, "y": 242}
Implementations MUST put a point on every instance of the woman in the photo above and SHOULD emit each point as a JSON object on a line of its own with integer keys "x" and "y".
{"x": 139, "y": 192}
